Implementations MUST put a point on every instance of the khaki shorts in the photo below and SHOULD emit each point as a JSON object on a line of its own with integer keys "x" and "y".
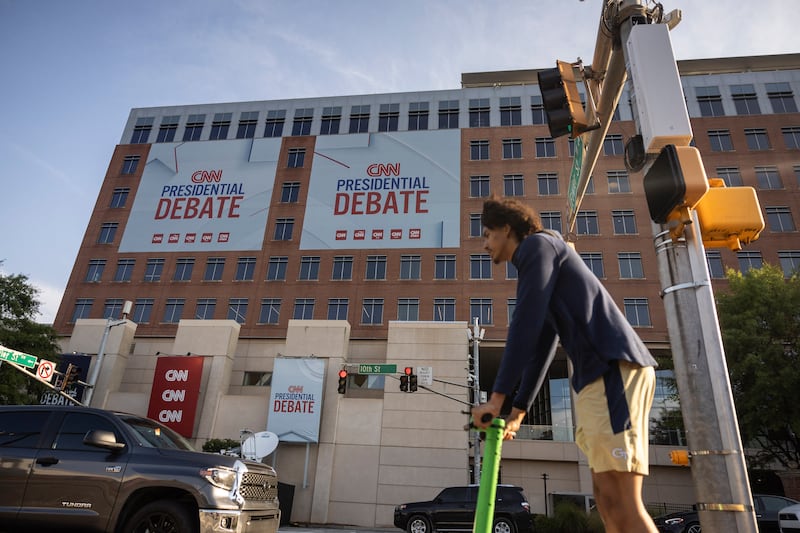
{"x": 613, "y": 415}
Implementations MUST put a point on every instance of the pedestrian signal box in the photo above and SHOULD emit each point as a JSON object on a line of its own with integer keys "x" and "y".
{"x": 729, "y": 216}
{"x": 675, "y": 181}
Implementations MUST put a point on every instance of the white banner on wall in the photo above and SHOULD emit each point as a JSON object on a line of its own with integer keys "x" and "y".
{"x": 295, "y": 403}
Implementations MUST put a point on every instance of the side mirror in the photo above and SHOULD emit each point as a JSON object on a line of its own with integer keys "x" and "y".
{"x": 103, "y": 439}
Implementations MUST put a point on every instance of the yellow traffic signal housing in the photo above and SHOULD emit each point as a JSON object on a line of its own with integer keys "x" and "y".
{"x": 562, "y": 101}
{"x": 675, "y": 181}
{"x": 729, "y": 216}
{"x": 679, "y": 457}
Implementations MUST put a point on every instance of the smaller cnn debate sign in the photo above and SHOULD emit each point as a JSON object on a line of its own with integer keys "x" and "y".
{"x": 295, "y": 404}
{"x": 176, "y": 388}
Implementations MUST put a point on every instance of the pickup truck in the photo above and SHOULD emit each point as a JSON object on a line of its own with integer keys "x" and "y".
{"x": 91, "y": 470}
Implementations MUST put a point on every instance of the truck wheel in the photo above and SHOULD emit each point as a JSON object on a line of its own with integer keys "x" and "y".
{"x": 161, "y": 517}
{"x": 503, "y": 525}
{"x": 418, "y": 524}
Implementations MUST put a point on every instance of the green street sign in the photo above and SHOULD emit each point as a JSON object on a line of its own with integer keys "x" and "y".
{"x": 575, "y": 174}
{"x": 13, "y": 356}
{"x": 377, "y": 369}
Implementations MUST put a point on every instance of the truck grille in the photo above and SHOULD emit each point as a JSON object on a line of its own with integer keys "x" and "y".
{"x": 258, "y": 486}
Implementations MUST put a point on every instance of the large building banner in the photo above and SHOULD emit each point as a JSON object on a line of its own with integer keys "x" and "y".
{"x": 203, "y": 196}
{"x": 176, "y": 389}
{"x": 384, "y": 190}
{"x": 295, "y": 403}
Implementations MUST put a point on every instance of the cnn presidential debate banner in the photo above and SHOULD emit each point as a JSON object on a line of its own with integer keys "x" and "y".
{"x": 295, "y": 402}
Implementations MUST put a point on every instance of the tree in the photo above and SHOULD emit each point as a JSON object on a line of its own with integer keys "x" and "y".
{"x": 760, "y": 322}
{"x": 19, "y": 331}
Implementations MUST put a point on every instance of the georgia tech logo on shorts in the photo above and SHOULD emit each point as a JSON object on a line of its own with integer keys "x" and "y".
{"x": 619, "y": 453}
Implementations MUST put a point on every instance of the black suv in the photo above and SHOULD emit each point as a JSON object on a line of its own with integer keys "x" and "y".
{"x": 453, "y": 509}
{"x": 92, "y": 470}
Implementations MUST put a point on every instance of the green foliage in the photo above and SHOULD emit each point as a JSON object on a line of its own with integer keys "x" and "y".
{"x": 760, "y": 322}
{"x": 215, "y": 445}
{"x": 569, "y": 518}
{"x": 19, "y": 331}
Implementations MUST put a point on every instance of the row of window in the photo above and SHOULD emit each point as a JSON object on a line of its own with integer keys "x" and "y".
{"x": 745, "y": 99}
{"x": 372, "y": 310}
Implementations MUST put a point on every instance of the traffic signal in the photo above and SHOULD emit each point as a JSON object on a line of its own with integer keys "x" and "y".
{"x": 679, "y": 457}
{"x": 342, "y": 381}
{"x": 404, "y": 383}
{"x": 675, "y": 181}
{"x": 562, "y": 101}
{"x": 412, "y": 383}
{"x": 729, "y": 216}
{"x": 70, "y": 376}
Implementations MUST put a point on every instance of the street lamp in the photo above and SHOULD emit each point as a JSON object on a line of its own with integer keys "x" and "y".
{"x": 95, "y": 373}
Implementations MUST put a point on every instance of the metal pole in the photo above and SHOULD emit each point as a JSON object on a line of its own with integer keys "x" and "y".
{"x": 100, "y": 354}
{"x": 476, "y": 366}
{"x": 544, "y": 478}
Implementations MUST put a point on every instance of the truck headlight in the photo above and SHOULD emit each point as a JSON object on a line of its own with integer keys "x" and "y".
{"x": 219, "y": 476}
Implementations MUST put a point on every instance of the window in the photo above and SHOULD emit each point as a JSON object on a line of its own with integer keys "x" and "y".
{"x": 513, "y": 185}
{"x": 479, "y": 150}
{"x": 547, "y": 183}
{"x": 331, "y": 120}
{"x": 745, "y": 99}
{"x": 297, "y": 157}
{"x": 710, "y": 101}
{"x": 444, "y": 309}
{"x": 166, "y": 132}
{"x": 781, "y": 97}
{"x": 257, "y": 379}
{"x": 448, "y": 114}
{"x": 444, "y": 266}
{"x": 274, "y": 125}
{"x": 720, "y": 140}
{"x": 791, "y": 137}
{"x": 372, "y": 311}
{"x": 283, "y": 229}
{"x": 130, "y": 164}
{"x": 481, "y": 308}
{"x": 796, "y": 170}
{"x": 124, "y": 269}
{"x": 113, "y": 308}
{"x": 715, "y": 268}
{"x": 183, "y": 269}
{"x": 417, "y": 116}
{"x": 205, "y": 308}
{"x": 119, "y": 197}
{"x": 107, "y": 233}
{"x": 359, "y": 119}
{"x": 270, "y": 311}
{"x": 290, "y": 191}
{"x": 214, "y": 268}
{"x": 624, "y": 222}
{"x": 512, "y": 148}
{"x": 748, "y": 260}
{"x": 586, "y": 223}
{"x": 589, "y": 186}
{"x": 248, "y": 121}
{"x": 342, "y": 267}
{"x": 95, "y": 271}
{"x": 245, "y": 268}
{"x": 475, "y": 225}
{"x": 480, "y": 266}
{"x": 142, "y": 310}
{"x": 173, "y": 310}
{"x": 757, "y": 139}
{"x": 194, "y": 128}
{"x": 276, "y": 268}
{"x": 768, "y": 178}
{"x": 303, "y": 309}
{"x": 408, "y": 309}
{"x": 337, "y": 308}
{"x": 83, "y": 306}
{"x": 309, "y": 268}
{"x": 545, "y": 147}
{"x": 220, "y": 126}
{"x": 511, "y": 271}
{"x": 237, "y": 309}
{"x": 74, "y": 428}
{"x": 510, "y": 111}
{"x": 479, "y": 113}
{"x": 790, "y": 261}
{"x": 302, "y": 121}
{"x": 551, "y": 220}
{"x": 730, "y": 175}
{"x": 141, "y": 130}
{"x": 612, "y": 145}
{"x": 22, "y": 429}
{"x": 594, "y": 260}
{"x": 376, "y": 267}
{"x": 388, "y": 117}
{"x": 618, "y": 182}
{"x": 511, "y": 304}
{"x": 779, "y": 219}
{"x": 410, "y": 266}
{"x": 637, "y": 311}
{"x": 630, "y": 265}
{"x": 479, "y": 186}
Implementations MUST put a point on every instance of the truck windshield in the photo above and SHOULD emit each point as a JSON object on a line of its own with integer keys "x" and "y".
{"x": 153, "y": 435}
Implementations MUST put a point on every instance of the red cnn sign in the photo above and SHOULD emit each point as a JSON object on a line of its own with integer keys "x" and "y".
{"x": 176, "y": 389}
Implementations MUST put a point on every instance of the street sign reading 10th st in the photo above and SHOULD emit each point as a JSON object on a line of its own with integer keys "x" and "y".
{"x": 377, "y": 369}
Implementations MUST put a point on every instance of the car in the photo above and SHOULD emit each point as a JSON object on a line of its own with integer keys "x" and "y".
{"x": 766, "y": 506}
{"x": 92, "y": 470}
{"x": 453, "y": 509}
{"x": 789, "y": 519}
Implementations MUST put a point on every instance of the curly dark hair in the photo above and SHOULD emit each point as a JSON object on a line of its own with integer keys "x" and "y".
{"x": 522, "y": 219}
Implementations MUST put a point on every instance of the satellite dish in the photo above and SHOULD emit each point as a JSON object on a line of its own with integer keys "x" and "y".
{"x": 259, "y": 445}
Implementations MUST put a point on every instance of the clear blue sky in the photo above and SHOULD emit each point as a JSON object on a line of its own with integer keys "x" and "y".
{"x": 71, "y": 70}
